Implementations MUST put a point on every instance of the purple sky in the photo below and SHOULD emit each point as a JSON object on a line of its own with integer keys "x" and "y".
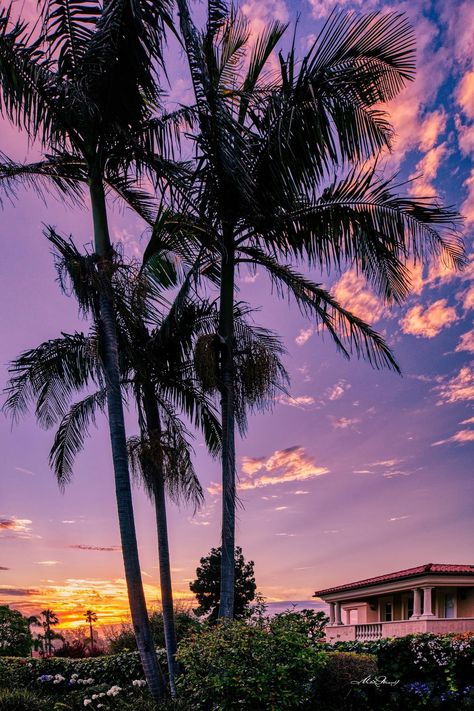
{"x": 358, "y": 473}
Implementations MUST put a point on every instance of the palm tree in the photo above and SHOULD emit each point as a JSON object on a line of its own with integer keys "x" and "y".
{"x": 84, "y": 88}
{"x": 91, "y": 617}
{"x": 49, "y": 620}
{"x": 286, "y": 173}
{"x": 33, "y": 621}
{"x": 164, "y": 372}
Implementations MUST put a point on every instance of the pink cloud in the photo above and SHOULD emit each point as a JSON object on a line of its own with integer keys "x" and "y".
{"x": 459, "y": 388}
{"x": 428, "y": 322}
{"x": 460, "y": 437}
{"x": 353, "y": 293}
{"x": 466, "y": 342}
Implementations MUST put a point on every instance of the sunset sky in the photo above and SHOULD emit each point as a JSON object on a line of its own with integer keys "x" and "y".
{"x": 355, "y": 473}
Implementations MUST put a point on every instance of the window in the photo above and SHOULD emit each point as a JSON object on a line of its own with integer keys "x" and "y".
{"x": 386, "y": 610}
{"x": 449, "y": 603}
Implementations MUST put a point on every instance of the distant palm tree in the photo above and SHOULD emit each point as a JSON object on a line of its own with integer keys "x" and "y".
{"x": 33, "y": 621}
{"x": 285, "y": 173}
{"x": 91, "y": 617}
{"x": 49, "y": 620}
{"x": 84, "y": 87}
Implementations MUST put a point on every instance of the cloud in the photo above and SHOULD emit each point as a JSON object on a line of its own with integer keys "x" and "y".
{"x": 24, "y": 471}
{"x": 354, "y": 295}
{"x": 343, "y": 422}
{"x": 284, "y": 465}
{"x": 469, "y": 421}
{"x": 304, "y": 335}
{"x": 14, "y": 527}
{"x": 466, "y": 342}
{"x": 17, "y": 592}
{"x": 459, "y": 388}
{"x": 48, "y": 563}
{"x": 82, "y": 547}
{"x": 68, "y": 521}
{"x": 426, "y": 171}
{"x": 428, "y": 322}
{"x": 301, "y": 401}
{"x": 337, "y": 390}
{"x": 281, "y": 508}
{"x": 398, "y": 518}
{"x": 2, "y": 567}
{"x": 300, "y": 492}
{"x": 460, "y": 437}
{"x": 465, "y": 94}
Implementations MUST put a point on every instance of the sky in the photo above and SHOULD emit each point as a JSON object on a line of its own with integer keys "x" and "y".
{"x": 355, "y": 472}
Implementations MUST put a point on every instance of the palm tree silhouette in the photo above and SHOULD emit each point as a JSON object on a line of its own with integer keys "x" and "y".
{"x": 286, "y": 174}
{"x": 90, "y": 618}
{"x": 83, "y": 87}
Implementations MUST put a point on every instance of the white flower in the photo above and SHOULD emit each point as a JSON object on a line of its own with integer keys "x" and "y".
{"x": 114, "y": 690}
{"x": 74, "y": 676}
{"x": 89, "y": 681}
{"x": 100, "y": 706}
{"x": 87, "y": 702}
{"x": 138, "y": 682}
{"x": 94, "y": 697}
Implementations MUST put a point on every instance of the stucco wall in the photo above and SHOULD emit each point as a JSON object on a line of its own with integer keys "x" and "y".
{"x": 466, "y": 605}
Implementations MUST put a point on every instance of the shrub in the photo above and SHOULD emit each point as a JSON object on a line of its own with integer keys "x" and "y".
{"x": 21, "y": 700}
{"x": 125, "y": 641}
{"x": 240, "y": 666}
{"x": 336, "y": 686}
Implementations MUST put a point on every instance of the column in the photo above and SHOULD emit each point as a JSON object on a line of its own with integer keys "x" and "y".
{"x": 416, "y": 604}
{"x": 331, "y": 613}
{"x": 427, "y": 611}
{"x": 338, "y": 613}
{"x": 348, "y": 617}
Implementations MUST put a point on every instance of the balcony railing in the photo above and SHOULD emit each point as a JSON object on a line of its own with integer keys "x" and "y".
{"x": 364, "y": 633}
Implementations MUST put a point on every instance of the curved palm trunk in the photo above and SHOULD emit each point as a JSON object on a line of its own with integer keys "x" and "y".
{"x": 136, "y": 595}
{"x": 226, "y": 335}
{"x": 154, "y": 430}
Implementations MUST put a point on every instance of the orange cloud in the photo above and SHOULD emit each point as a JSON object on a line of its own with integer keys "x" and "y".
{"x": 284, "y": 465}
{"x": 427, "y": 169}
{"x": 298, "y": 401}
{"x": 343, "y": 422}
{"x": 458, "y": 388}
{"x": 427, "y": 323}
{"x": 465, "y": 94}
{"x": 353, "y": 293}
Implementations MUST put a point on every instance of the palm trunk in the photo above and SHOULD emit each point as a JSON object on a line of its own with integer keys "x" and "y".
{"x": 92, "y": 637}
{"x": 154, "y": 430}
{"x": 226, "y": 334}
{"x": 107, "y": 328}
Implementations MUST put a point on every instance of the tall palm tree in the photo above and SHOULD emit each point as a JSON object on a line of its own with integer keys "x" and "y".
{"x": 33, "y": 621}
{"x": 83, "y": 87}
{"x": 159, "y": 369}
{"x": 49, "y": 620}
{"x": 286, "y": 173}
{"x": 91, "y": 617}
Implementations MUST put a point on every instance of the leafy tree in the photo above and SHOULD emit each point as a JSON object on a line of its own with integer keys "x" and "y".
{"x": 82, "y": 84}
{"x": 90, "y": 618}
{"x": 15, "y": 635}
{"x": 207, "y": 586}
{"x": 286, "y": 174}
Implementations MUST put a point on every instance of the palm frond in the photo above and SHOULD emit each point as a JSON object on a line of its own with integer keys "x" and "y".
{"x": 71, "y": 433}
{"x": 349, "y": 333}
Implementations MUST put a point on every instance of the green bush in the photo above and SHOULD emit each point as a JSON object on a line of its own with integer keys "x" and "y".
{"x": 125, "y": 641}
{"x": 21, "y": 700}
{"x": 240, "y": 666}
{"x": 336, "y": 683}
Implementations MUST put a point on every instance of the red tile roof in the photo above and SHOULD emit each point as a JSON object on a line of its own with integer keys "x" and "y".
{"x": 428, "y": 568}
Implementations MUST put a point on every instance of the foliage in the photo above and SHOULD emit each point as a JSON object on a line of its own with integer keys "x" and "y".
{"x": 112, "y": 669}
{"x": 21, "y": 700}
{"x": 444, "y": 661}
{"x": 15, "y": 635}
{"x": 125, "y": 641}
{"x": 78, "y": 649}
{"x": 206, "y": 587}
{"x": 309, "y": 622}
{"x": 335, "y": 687}
{"x": 233, "y": 665}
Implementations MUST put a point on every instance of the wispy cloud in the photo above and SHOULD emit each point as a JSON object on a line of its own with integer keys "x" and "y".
{"x": 460, "y": 437}
{"x": 12, "y": 527}
{"x": 300, "y": 401}
{"x": 397, "y": 518}
{"x": 84, "y": 547}
{"x": 343, "y": 423}
{"x": 337, "y": 390}
{"x": 2, "y": 567}
{"x": 353, "y": 293}
{"x": 6, "y": 592}
{"x": 459, "y": 388}
{"x": 48, "y": 563}
{"x": 21, "y": 470}
{"x": 466, "y": 342}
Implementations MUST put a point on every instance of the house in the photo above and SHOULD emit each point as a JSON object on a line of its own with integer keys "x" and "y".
{"x": 434, "y": 598}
